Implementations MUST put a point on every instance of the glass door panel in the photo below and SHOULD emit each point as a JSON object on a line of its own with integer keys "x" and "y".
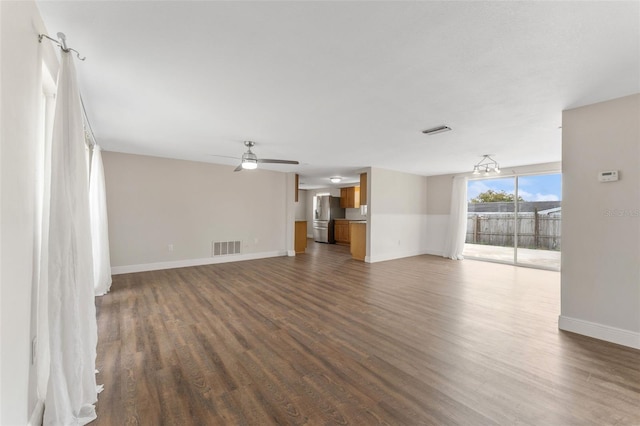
{"x": 539, "y": 208}
{"x": 491, "y": 219}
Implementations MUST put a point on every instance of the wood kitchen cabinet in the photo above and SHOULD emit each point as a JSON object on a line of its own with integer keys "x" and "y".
{"x": 300, "y": 236}
{"x": 341, "y": 231}
{"x": 358, "y": 240}
{"x": 363, "y": 189}
{"x": 350, "y": 197}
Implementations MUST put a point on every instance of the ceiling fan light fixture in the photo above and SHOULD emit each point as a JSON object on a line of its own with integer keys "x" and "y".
{"x": 335, "y": 179}
{"x": 436, "y": 130}
{"x": 249, "y": 165}
{"x": 249, "y": 160}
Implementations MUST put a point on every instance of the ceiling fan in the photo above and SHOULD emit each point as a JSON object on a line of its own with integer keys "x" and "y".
{"x": 250, "y": 160}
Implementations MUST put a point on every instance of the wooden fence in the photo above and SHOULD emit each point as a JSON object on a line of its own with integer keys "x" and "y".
{"x": 534, "y": 230}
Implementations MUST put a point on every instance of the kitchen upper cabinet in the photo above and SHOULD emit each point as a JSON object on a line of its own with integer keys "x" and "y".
{"x": 350, "y": 197}
{"x": 363, "y": 189}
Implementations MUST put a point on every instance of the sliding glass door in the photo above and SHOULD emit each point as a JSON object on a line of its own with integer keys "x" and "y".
{"x": 515, "y": 220}
{"x": 490, "y": 219}
{"x": 539, "y": 210}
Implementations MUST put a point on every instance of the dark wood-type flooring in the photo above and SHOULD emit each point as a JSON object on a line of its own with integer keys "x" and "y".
{"x": 321, "y": 339}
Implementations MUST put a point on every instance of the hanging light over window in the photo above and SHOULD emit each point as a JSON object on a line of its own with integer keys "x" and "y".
{"x": 486, "y": 166}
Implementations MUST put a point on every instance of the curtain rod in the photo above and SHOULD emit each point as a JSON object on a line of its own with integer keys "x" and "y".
{"x": 88, "y": 131}
{"x": 62, "y": 42}
{"x": 89, "y": 137}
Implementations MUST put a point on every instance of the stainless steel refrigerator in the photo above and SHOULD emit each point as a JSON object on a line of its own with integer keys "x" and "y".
{"x": 325, "y": 209}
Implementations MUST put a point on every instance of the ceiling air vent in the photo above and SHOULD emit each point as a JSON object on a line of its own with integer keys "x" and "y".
{"x": 436, "y": 130}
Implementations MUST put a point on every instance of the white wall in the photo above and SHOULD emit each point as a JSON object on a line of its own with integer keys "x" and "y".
{"x": 21, "y": 90}
{"x": 601, "y": 221}
{"x": 397, "y": 215}
{"x": 157, "y": 202}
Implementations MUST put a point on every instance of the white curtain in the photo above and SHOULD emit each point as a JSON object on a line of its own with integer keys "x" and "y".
{"x": 71, "y": 390}
{"x": 44, "y": 188}
{"x": 456, "y": 234}
{"x": 99, "y": 226}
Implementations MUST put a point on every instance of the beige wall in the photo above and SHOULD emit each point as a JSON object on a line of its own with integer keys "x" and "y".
{"x": 301, "y": 205}
{"x": 439, "y": 194}
{"x": 438, "y": 208}
{"x": 601, "y": 221}
{"x": 397, "y": 214}
{"x": 157, "y": 202}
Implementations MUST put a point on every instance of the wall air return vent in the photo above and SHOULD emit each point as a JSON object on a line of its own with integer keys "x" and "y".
{"x": 223, "y": 248}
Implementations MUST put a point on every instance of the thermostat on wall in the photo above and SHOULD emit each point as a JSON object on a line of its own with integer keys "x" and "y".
{"x": 608, "y": 176}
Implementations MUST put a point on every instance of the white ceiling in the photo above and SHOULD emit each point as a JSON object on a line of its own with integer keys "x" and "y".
{"x": 344, "y": 85}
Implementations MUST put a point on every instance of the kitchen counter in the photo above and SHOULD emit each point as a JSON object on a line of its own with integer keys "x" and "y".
{"x": 342, "y": 230}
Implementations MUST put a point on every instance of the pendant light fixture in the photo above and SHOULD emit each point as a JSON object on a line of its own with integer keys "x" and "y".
{"x": 486, "y": 166}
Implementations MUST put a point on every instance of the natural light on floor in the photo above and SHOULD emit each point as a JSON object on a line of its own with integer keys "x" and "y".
{"x": 542, "y": 258}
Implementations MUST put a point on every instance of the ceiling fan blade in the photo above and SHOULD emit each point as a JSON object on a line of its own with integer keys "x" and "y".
{"x": 237, "y": 169}
{"x": 223, "y": 156}
{"x": 266, "y": 160}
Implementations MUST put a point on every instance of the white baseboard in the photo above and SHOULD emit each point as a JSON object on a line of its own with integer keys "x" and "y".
{"x": 127, "y": 269}
{"x": 37, "y": 414}
{"x": 309, "y": 235}
{"x": 291, "y": 253}
{"x": 392, "y": 256}
{"x": 434, "y": 252}
{"x": 600, "y": 331}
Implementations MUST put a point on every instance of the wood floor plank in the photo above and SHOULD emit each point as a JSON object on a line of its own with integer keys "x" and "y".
{"x": 321, "y": 339}
{"x": 138, "y": 394}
